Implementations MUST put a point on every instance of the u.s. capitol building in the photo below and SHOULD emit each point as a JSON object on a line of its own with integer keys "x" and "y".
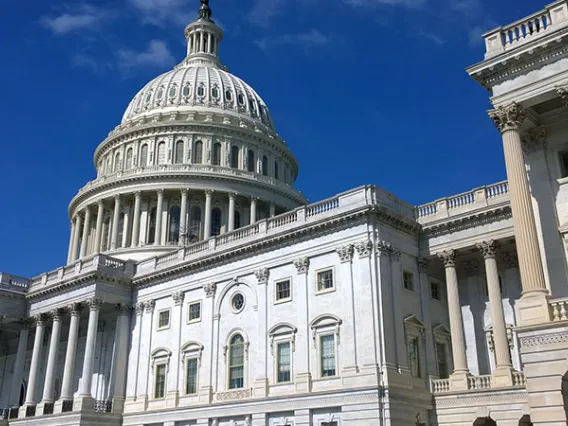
{"x": 201, "y": 288}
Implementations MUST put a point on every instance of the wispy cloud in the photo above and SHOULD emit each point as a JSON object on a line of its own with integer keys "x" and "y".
{"x": 263, "y": 11}
{"x": 162, "y": 12}
{"x": 306, "y": 40}
{"x": 470, "y": 7}
{"x": 374, "y": 3}
{"x": 434, "y": 38}
{"x": 74, "y": 19}
{"x": 157, "y": 54}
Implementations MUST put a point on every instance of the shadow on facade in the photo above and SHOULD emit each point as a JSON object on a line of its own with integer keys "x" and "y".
{"x": 525, "y": 421}
{"x": 484, "y": 421}
{"x": 564, "y": 390}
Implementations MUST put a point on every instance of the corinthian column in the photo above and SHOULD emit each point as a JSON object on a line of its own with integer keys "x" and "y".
{"x": 115, "y": 223}
{"x": 70, "y": 355}
{"x": 19, "y": 365}
{"x": 76, "y": 235}
{"x": 99, "y": 228}
{"x": 86, "y": 230}
{"x": 136, "y": 220}
{"x": 208, "y": 209}
{"x": 183, "y": 218}
{"x": 159, "y": 209}
{"x": 458, "y": 379}
{"x": 231, "y": 220}
{"x": 52, "y": 358}
{"x": 534, "y": 308}
{"x": 253, "y": 202}
{"x": 34, "y": 365}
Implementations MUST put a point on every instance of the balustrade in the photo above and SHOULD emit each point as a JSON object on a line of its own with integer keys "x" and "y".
{"x": 559, "y": 309}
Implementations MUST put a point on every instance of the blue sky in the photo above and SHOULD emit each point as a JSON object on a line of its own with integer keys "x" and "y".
{"x": 363, "y": 91}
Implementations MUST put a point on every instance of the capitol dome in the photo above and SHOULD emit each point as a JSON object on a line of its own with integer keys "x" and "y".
{"x": 195, "y": 156}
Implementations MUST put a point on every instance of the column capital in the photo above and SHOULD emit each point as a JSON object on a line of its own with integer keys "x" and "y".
{"x": 139, "y": 308}
{"x": 138, "y": 194}
{"x": 302, "y": 265}
{"x": 423, "y": 265}
{"x": 345, "y": 253}
{"x": 160, "y": 192}
{"x": 210, "y": 289}
{"x": 510, "y": 117}
{"x": 208, "y": 192}
{"x": 26, "y": 323}
{"x": 116, "y": 197}
{"x": 448, "y": 258}
{"x": 262, "y": 275}
{"x": 184, "y": 192}
{"x": 101, "y": 202}
{"x": 364, "y": 248}
{"x": 55, "y": 314}
{"x": 39, "y": 319}
{"x": 178, "y": 297}
{"x": 563, "y": 93}
{"x": 74, "y": 309}
{"x": 534, "y": 139}
{"x": 254, "y": 199}
{"x": 383, "y": 248}
{"x": 150, "y": 305}
{"x": 233, "y": 195}
{"x": 94, "y": 303}
{"x": 123, "y": 308}
{"x": 488, "y": 249}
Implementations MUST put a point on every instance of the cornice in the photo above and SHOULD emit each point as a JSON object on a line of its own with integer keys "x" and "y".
{"x": 490, "y": 398}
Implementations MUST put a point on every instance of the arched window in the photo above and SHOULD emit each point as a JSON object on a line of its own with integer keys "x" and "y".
{"x": 179, "y": 152}
{"x": 216, "y": 221}
{"x": 198, "y": 153}
{"x": 264, "y": 165}
{"x": 235, "y": 157}
{"x": 173, "y": 231}
{"x": 237, "y": 220}
{"x": 194, "y": 231}
{"x": 116, "y": 162}
{"x": 144, "y": 155}
{"x": 276, "y": 169}
{"x": 152, "y": 227}
{"x": 250, "y": 161}
{"x": 129, "y": 158}
{"x": 216, "y": 154}
{"x": 237, "y": 362}
{"x": 162, "y": 153}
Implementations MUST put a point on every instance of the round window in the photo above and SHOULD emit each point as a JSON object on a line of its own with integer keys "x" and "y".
{"x": 238, "y": 302}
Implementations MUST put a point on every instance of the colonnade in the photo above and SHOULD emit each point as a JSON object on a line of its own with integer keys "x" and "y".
{"x": 66, "y": 402}
{"x": 91, "y": 233}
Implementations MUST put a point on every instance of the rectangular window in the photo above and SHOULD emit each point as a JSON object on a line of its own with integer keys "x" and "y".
{"x": 414, "y": 356}
{"x": 160, "y": 383}
{"x": 435, "y": 290}
{"x": 283, "y": 290}
{"x": 408, "y": 280}
{"x": 237, "y": 367}
{"x": 329, "y": 424}
{"x": 564, "y": 163}
{"x": 164, "y": 319}
{"x": 442, "y": 361}
{"x": 327, "y": 355}
{"x": 194, "y": 312}
{"x": 283, "y": 355}
{"x": 191, "y": 376}
{"x": 325, "y": 280}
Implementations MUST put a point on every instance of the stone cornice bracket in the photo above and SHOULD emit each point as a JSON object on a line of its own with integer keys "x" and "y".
{"x": 139, "y": 308}
{"x": 488, "y": 249}
{"x": 510, "y": 117}
{"x": 302, "y": 265}
{"x": 345, "y": 253}
{"x": 364, "y": 248}
{"x": 262, "y": 275}
{"x": 448, "y": 258}
{"x": 178, "y": 297}
{"x": 150, "y": 305}
{"x": 534, "y": 140}
{"x": 210, "y": 289}
{"x": 423, "y": 265}
{"x": 94, "y": 303}
{"x": 563, "y": 93}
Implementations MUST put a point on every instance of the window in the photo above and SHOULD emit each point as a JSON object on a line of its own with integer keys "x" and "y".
{"x": 241, "y": 99}
{"x": 250, "y": 160}
{"x": 325, "y": 280}
{"x": 160, "y": 93}
{"x": 264, "y": 165}
{"x": 186, "y": 90}
{"x": 564, "y": 163}
{"x": 276, "y": 176}
{"x": 194, "y": 313}
{"x": 129, "y": 158}
{"x": 191, "y": 376}
{"x": 179, "y": 152}
{"x": 283, "y": 361}
{"x": 148, "y": 98}
{"x": 235, "y": 157}
{"x": 414, "y": 356}
{"x": 329, "y": 424}
{"x": 194, "y": 224}
{"x": 442, "y": 347}
{"x": 216, "y": 161}
{"x": 283, "y": 290}
{"x": 435, "y": 290}
{"x": 163, "y": 319}
{"x": 173, "y": 91}
{"x": 236, "y": 362}
{"x": 201, "y": 91}
{"x": 408, "y": 280}
{"x": 152, "y": 227}
{"x": 215, "y": 92}
{"x": 327, "y": 354}
{"x": 198, "y": 153}
{"x": 116, "y": 162}
{"x": 414, "y": 330}
{"x": 162, "y": 153}
{"x": 228, "y": 95}
{"x": 216, "y": 221}
{"x": 173, "y": 231}
{"x": 237, "y": 220}
{"x": 238, "y": 302}
{"x": 160, "y": 381}
{"x": 144, "y": 155}
{"x": 441, "y": 351}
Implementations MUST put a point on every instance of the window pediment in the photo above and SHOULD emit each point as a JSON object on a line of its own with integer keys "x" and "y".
{"x": 283, "y": 332}
{"x": 161, "y": 356}
{"x": 413, "y": 326}
{"x": 325, "y": 323}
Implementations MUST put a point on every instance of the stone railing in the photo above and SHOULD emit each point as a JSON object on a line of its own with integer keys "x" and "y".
{"x": 559, "y": 309}
{"x": 519, "y": 379}
{"x": 440, "y": 385}
{"x": 96, "y": 263}
{"x": 537, "y": 25}
{"x": 458, "y": 204}
{"x": 14, "y": 283}
{"x": 475, "y": 383}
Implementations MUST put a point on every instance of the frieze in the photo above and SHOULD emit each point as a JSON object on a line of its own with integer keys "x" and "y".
{"x": 460, "y": 223}
{"x": 233, "y": 395}
{"x": 544, "y": 339}
{"x": 484, "y": 398}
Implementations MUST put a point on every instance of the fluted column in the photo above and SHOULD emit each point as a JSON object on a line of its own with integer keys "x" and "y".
{"x": 136, "y": 220}
{"x": 208, "y": 208}
{"x": 509, "y": 120}
{"x": 232, "y": 197}
{"x": 34, "y": 364}
{"x": 448, "y": 258}
{"x": 52, "y": 357}
{"x": 503, "y": 364}
{"x": 71, "y": 238}
{"x": 76, "y": 236}
{"x": 19, "y": 364}
{"x": 115, "y": 223}
{"x": 86, "y": 230}
{"x": 183, "y": 218}
{"x": 253, "y": 201}
{"x": 159, "y": 209}
{"x": 99, "y": 228}
{"x": 121, "y": 357}
{"x": 71, "y": 353}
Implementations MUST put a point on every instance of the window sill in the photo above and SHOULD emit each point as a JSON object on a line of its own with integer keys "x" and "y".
{"x": 163, "y": 328}
{"x": 193, "y": 321}
{"x": 280, "y": 301}
{"x": 325, "y": 291}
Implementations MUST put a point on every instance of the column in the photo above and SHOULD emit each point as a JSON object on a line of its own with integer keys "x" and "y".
{"x": 70, "y": 354}
{"x": 159, "y": 211}
{"x": 206, "y": 381}
{"x": 172, "y": 396}
{"x": 260, "y": 389}
{"x": 115, "y": 223}
{"x": 136, "y": 220}
{"x": 253, "y": 201}
{"x": 502, "y": 374}
{"x": 19, "y": 365}
{"x": 272, "y": 209}
{"x": 34, "y": 364}
{"x": 183, "y": 218}
{"x": 121, "y": 357}
{"x": 303, "y": 377}
{"x": 99, "y": 228}
{"x": 533, "y": 307}
{"x": 456, "y": 328}
{"x": 425, "y": 308}
{"x": 85, "y": 400}
{"x": 52, "y": 359}
{"x": 76, "y": 235}
{"x": 208, "y": 208}
{"x": 71, "y": 238}
{"x": 232, "y": 197}
{"x": 86, "y": 230}
{"x": 348, "y": 353}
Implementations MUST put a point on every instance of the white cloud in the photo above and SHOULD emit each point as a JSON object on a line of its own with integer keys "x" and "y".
{"x": 79, "y": 18}
{"x": 157, "y": 54}
{"x": 470, "y": 7}
{"x": 263, "y": 11}
{"x": 161, "y": 12}
{"x": 306, "y": 40}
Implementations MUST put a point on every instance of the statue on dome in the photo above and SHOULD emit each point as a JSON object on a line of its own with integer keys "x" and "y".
{"x": 205, "y": 10}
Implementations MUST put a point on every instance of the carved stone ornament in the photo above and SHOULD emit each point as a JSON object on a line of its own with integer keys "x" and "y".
{"x": 488, "y": 249}
{"x": 383, "y": 248}
{"x": 123, "y": 308}
{"x": 448, "y": 258}
{"x": 395, "y": 254}
{"x": 302, "y": 265}
{"x": 534, "y": 140}
{"x": 74, "y": 309}
{"x": 139, "y": 308}
{"x": 210, "y": 289}
{"x": 26, "y": 323}
{"x": 345, "y": 253}
{"x": 423, "y": 265}
{"x": 364, "y": 248}
{"x": 150, "y": 305}
{"x": 232, "y": 395}
{"x": 563, "y": 93}
{"x": 56, "y": 314}
{"x": 510, "y": 117}
{"x": 94, "y": 303}
{"x": 262, "y": 275}
{"x": 39, "y": 320}
{"x": 178, "y": 297}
